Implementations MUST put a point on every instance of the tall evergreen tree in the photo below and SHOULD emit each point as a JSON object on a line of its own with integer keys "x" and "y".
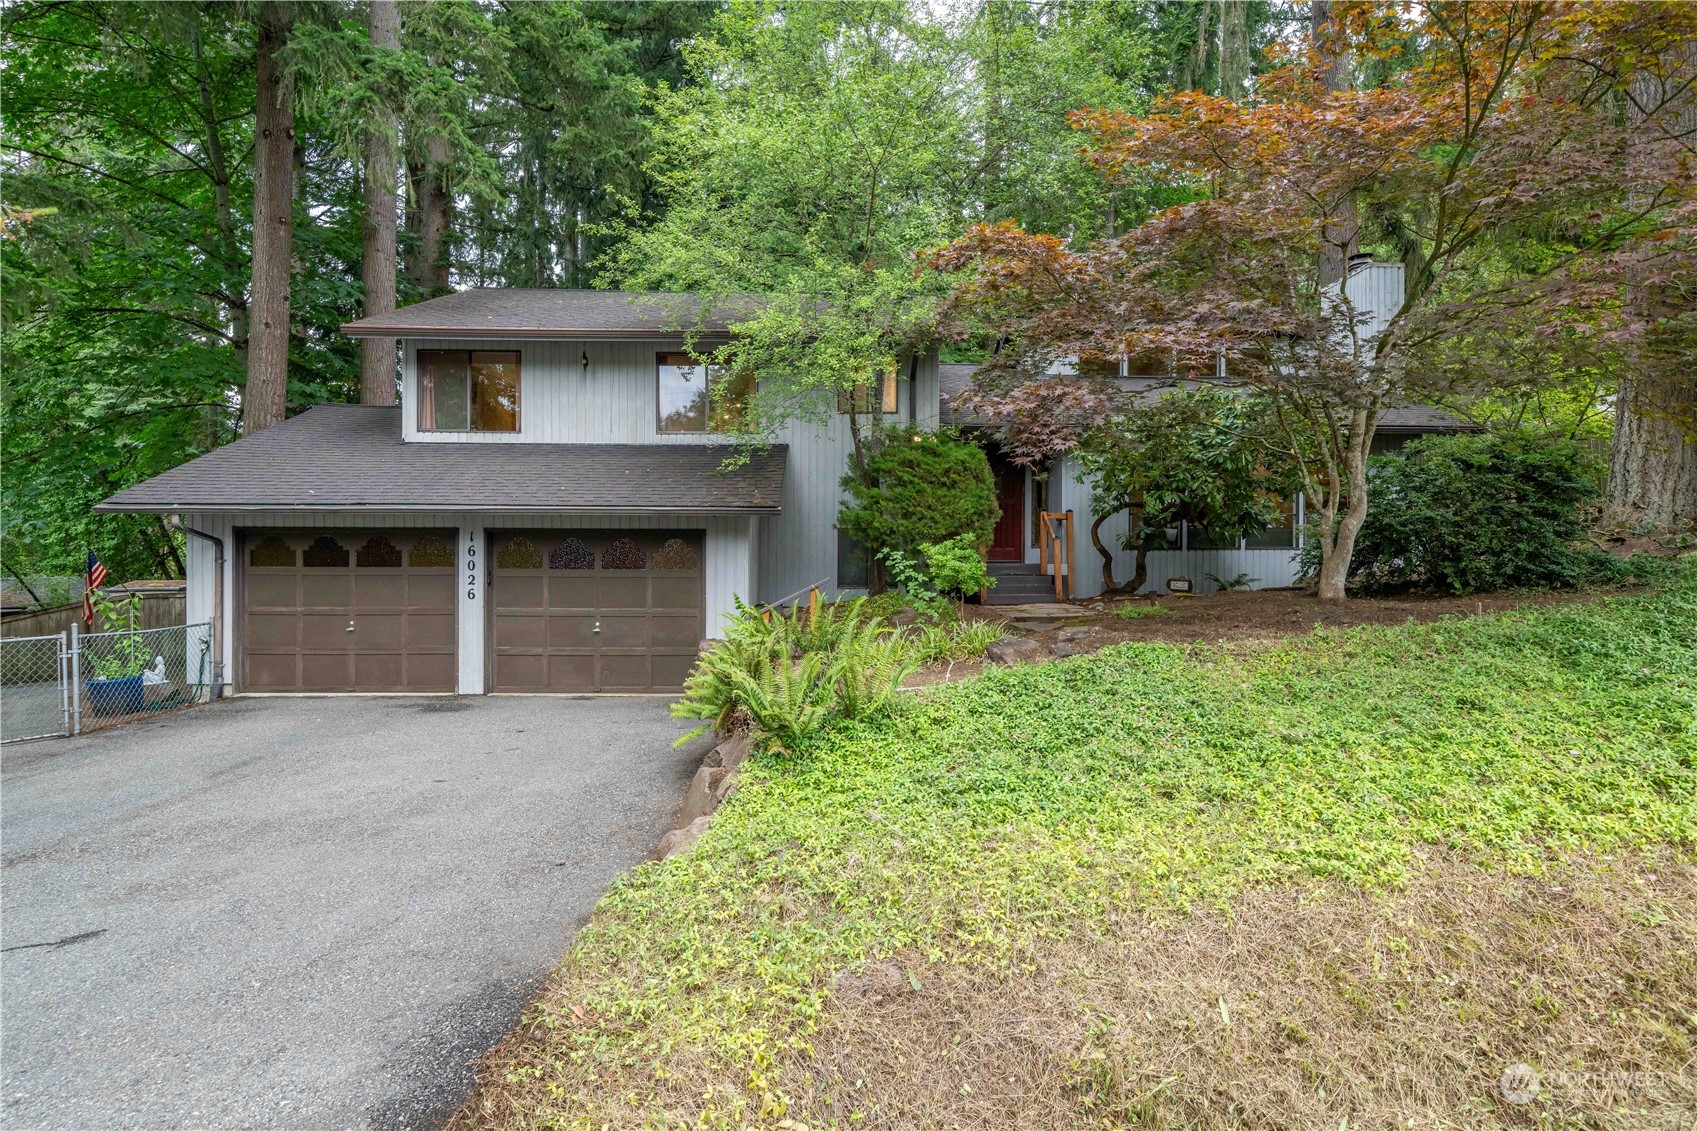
{"x": 265, "y": 398}
{"x": 377, "y": 259}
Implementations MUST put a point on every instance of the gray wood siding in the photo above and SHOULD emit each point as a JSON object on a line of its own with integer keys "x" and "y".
{"x": 1271, "y": 568}
{"x": 615, "y": 403}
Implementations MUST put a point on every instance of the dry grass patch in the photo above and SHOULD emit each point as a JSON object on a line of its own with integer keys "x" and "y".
{"x": 1296, "y": 1009}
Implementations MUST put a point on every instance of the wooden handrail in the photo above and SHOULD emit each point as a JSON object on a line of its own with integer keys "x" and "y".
{"x": 1055, "y": 550}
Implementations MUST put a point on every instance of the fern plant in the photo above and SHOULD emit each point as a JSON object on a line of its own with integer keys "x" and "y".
{"x": 868, "y": 669}
{"x": 784, "y": 698}
{"x": 752, "y": 645}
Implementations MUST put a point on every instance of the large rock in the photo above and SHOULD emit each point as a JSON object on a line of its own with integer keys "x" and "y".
{"x": 1076, "y": 632}
{"x": 732, "y": 752}
{"x": 1014, "y": 650}
{"x": 1067, "y": 648}
{"x": 679, "y": 840}
{"x": 699, "y": 800}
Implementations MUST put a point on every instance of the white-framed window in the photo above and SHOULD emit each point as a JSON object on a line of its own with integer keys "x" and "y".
{"x": 468, "y": 390}
{"x": 861, "y": 398}
{"x": 693, "y": 396}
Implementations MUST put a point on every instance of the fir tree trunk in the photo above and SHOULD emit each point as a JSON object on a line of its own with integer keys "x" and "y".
{"x": 429, "y": 269}
{"x": 1234, "y": 49}
{"x": 1653, "y": 459}
{"x": 377, "y": 355}
{"x": 1340, "y": 236}
{"x": 265, "y": 399}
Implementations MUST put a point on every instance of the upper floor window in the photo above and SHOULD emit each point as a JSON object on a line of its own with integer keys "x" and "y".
{"x": 468, "y": 390}
{"x": 696, "y": 397}
{"x": 862, "y": 398}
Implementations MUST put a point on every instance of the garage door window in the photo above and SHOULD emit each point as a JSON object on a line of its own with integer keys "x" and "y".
{"x": 325, "y": 553}
{"x": 272, "y": 551}
{"x": 431, "y": 552}
{"x": 378, "y": 553}
{"x": 624, "y": 554}
{"x": 571, "y": 554}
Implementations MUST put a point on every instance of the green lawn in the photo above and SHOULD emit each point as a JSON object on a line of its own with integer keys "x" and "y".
{"x": 1037, "y": 808}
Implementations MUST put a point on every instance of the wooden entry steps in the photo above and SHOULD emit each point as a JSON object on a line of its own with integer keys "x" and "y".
{"x": 1020, "y": 583}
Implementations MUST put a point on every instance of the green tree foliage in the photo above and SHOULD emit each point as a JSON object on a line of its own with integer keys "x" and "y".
{"x": 920, "y": 487}
{"x": 128, "y": 215}
{"x": 1475, "y": 513}
{"x": 1206, "y": 456}
{"x": 1036, "y": 62}
{"x": 124, "y": 306}
{"x": 819, "y": 147}
{"x": 568, "y": 126}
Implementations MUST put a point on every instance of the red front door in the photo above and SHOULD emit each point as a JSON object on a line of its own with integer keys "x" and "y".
{"x": 1008, "y": 543}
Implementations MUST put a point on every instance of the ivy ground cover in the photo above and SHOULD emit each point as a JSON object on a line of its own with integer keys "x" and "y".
{"x": 1357, "y": 873}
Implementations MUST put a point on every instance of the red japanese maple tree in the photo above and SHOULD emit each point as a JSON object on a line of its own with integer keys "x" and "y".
{"x": 1502, "y": 127}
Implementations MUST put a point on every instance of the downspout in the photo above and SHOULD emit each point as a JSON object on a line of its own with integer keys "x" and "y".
{"x": 913, "y": 391}
{"x": 217, "y": 602}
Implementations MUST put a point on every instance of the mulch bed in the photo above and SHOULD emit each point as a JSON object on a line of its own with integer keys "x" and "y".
{"x": 1256, "y": 614}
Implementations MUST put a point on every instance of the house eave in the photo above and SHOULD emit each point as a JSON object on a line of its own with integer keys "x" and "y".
{"x": 206, "y": 506}
{"x": 537, "y": 334}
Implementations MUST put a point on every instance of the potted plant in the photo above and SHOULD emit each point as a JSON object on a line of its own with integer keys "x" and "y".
{"x": 115, "y": 666}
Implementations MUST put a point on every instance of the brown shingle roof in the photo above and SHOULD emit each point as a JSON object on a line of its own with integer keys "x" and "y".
{"x": 518, "y": 312}
{"x": 351, "y": 457}
{"x": 953, "y": 379}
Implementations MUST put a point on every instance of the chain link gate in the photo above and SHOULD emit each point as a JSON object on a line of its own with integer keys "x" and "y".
{"x": 76, "y": 682}
{"x": 34, "y": 687}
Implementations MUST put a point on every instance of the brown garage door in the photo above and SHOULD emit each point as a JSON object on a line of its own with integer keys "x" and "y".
{"x": 589, "y": 610}
{"x": 365, "y": 610}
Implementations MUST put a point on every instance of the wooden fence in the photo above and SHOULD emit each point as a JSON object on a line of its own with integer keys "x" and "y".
{"x": 158, "y": 610}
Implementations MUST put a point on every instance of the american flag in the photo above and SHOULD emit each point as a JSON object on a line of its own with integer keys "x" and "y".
{"x": 96, "y": 576}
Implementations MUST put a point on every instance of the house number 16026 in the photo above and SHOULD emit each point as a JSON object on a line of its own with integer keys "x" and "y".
{"x": 471, "y": 567}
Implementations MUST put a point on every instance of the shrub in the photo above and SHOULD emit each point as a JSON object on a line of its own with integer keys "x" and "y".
{"x": 1466, "y": 514}
{"x": 908, "y": 575}
{"x": 955, "y": 566}
{"x": 929, "y": 487}
{"x": 891, "y": 602}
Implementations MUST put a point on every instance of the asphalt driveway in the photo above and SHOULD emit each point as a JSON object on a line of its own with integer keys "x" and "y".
{"x": 304, "y": 913}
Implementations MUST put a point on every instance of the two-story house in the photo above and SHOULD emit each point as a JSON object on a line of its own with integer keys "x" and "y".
{"x": 549, "y": 510}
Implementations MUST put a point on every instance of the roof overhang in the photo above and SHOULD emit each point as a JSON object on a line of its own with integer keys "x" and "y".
{"x": 350, "y": 459}
{"x": 365, "y": 328}
{"x": 214, "y": 507}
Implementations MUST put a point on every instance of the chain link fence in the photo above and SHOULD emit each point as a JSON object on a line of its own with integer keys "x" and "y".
{"x": 34, "y": 688}
{"x": 123, "y": 674}
{"x": 54, "y": 685}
